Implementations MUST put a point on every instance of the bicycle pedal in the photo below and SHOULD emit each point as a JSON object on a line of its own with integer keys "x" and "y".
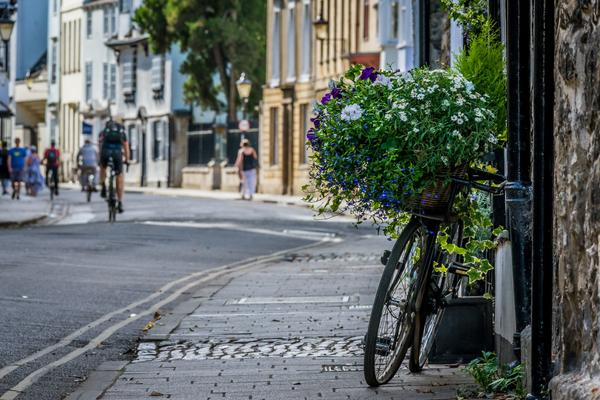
{"x": 385, "y": 257}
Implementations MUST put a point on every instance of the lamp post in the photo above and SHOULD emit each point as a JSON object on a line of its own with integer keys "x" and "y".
{"x": 7, "y": 9}
{"x": 321, "y": 27}
{"x": 244, "y": 86}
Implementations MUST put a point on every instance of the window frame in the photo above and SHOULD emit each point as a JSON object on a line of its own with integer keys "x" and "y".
{"x": 89, "y": 78}
{"x": 274, "y": 136}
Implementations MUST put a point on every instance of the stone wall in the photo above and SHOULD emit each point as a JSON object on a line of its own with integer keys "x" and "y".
{"x": 577, "y": 200}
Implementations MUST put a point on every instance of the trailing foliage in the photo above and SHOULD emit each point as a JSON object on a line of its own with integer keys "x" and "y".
{"x": 483, "y": 64}
{"x": 495, "y": 378}
{"x": 219, "y": 37}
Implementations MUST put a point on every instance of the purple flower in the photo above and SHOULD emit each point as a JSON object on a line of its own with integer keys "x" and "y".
{"x": 368, "y": 73}
{"x": 310, "y": 135}
{"x": 336, "y": 93}
{"x": 316, "y": 122}
{"x": 326, "y": 98}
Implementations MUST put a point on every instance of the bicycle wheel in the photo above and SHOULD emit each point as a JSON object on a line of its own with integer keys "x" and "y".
{"x": 390, "y": 329}
{"x": 438, "y": 288}
{"x": 89, "y": 193}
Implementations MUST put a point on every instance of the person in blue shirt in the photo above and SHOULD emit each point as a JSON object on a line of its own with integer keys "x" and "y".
{"x": 16, "y": 165}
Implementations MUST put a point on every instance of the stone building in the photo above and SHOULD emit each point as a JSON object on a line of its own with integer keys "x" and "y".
{"x": 299, "y": 67}
{"x": 577, "y": 201}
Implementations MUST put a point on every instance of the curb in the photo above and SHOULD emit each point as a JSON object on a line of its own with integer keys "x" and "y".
{"x": 23, "y": 223}
{"x": 99, "y": 380}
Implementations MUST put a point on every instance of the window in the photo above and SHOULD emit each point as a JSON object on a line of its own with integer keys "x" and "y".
{"x": 88, "y": 24}
{"x": 366, "y": 10}
{"x": 105, "y": 80}
{"x": 158, "y": 76}
{"x": 276, "y": 44}
{"x": 132, "y": 138}
{"x": 306, "y": 41}
{"x": 53, "y": 66}
{"x": 274, "y": 148}
{"x": 113, "y": 20}
{"x": 2, "y": 56}
{"x": 291, "y": 41}
{"x": 395, "y": 15}
{"x": 129, "y": 75}
{"x": 125, "y": 6}
{"x": 88, "y": 81}
{"x": 304, "y": 126}
{"x": 105, "y": 20}
{"x": 158, "y": 135}
{"x": 113, "y": 81}
{"x": 54, "y": 6}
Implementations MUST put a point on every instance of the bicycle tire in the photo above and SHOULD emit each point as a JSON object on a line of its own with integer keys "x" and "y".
{"x": 395, "y": 273}
{"x": 428, "y": 319}
{"x": 89, "y": 195}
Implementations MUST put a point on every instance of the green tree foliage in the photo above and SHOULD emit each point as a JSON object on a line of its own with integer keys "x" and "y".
{"x": 469, "y": 14}
{"x": 483, "y": 64}
{"x": 220, "y": 38}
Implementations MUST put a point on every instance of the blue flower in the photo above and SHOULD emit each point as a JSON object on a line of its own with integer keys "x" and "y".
{"x": 336, "y": 93}
{"x": 310, "y": 135}
{"x": 326, "y": 98}
{"x": 316, "y": 122}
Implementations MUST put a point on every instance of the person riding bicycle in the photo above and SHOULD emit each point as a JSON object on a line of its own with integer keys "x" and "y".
{"x": 87, "y": 160}
{"x": 113, "y": 144}
{"x": 52, "y": 161}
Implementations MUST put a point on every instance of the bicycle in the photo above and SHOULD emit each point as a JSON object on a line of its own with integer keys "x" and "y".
{"x": 88, "y": 176}
{"x": 411, "y": 296}
{"x": 51, "y": 183}
{"x": 111, "y": 197}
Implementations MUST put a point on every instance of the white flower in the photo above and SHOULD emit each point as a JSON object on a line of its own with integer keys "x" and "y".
{"x": 478, "y": 113}
{"x": 416, "y": 130}
{"x": 454, "y": 118}
{"x": 420, "y": 96}
{"x": 401, "y": 105}
{"x": 469, "y": 86}
{"x": 383, "y": 81}
{"x": 460, "y": 101}
{"x": 403, "y": 117}
{"x": 493, "y": 139}
{"x": 388, "y": 116}
{"x": 445, "y": 103}
{"x": 460, "y": 121}
{"x": 352, "y": 112}
{"x": 477, "y": 119}
{"x": 455, "y": 133}
{"x": 444, "y": 160}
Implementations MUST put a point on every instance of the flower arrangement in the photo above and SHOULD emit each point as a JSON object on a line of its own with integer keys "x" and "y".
{"x": 381, "y": 138}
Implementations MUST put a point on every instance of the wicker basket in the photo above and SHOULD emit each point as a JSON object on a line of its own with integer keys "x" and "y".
{"x": 437, "y": 197}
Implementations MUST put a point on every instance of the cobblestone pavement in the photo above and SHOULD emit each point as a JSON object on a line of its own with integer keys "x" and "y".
{"x": 287, "y": 330}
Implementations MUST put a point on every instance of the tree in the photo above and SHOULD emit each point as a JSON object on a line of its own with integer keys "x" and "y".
{"x": 221, "y": 38}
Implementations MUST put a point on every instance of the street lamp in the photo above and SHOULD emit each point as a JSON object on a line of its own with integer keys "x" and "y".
{"x": 321, "y": 27}
{"x": 6, "y": 27}
{"x": 244, "y": 86}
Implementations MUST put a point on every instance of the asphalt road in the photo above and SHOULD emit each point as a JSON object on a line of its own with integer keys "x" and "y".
{"x": 61, "y": 277}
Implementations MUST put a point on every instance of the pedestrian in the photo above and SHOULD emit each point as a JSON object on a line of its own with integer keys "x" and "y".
{"x": 35, "y": 179}
{"x": 16, "y": 166}
{"x": 52, "y": 161}
{"x": 4, "y": 172}
{"x": 247, "y": 164}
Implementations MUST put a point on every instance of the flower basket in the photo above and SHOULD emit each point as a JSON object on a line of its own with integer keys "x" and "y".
{"x": 385, "y": 143}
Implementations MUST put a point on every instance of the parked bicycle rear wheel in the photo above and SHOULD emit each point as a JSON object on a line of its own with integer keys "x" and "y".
{"x": 438, "y": 288}
{"x": 390, "y": 330}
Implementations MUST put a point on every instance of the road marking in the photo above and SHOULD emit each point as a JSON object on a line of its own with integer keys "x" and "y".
{"x": 206, "y": 275}
{"x": 290, "y": 300}
{"x": 310, "y": 235}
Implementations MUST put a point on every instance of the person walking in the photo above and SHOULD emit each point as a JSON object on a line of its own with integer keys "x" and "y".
{"x": 87, "y": 160}
{"x": 35, "y": 179}
{"x": 16, "y": 166}
{"x": 52, "y": 161}
{"x": 247, "y": 163}
{"x": 4, "y": 172}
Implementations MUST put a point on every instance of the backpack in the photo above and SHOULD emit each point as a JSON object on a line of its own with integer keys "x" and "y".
{"x": 113, "y": 134}
{"x": 52, "y": 157}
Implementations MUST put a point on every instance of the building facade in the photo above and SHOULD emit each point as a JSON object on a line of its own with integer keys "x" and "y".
{"x": 299, "y": 68}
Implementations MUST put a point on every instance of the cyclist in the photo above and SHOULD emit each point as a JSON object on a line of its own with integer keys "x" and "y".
{"x": 87, "y": 159}
{"x": 113, "y": 143}
{"x": 52, "y": 161}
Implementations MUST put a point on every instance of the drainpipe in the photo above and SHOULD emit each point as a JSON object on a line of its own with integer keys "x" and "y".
{"x": 543, "y": 180}
{"x": 518, "y": 189}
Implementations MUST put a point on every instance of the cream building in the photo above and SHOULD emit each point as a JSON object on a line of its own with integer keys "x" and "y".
{"x": 299, "y": 68}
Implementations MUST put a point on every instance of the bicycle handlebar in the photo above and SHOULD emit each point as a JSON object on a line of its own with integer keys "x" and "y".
{"x": 474, "y": 175}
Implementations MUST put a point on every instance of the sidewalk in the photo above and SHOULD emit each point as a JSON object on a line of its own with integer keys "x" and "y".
{"x": 208, "y": 194}
{"x": 290, "y": 329}
{"x": 27, "y": 210}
